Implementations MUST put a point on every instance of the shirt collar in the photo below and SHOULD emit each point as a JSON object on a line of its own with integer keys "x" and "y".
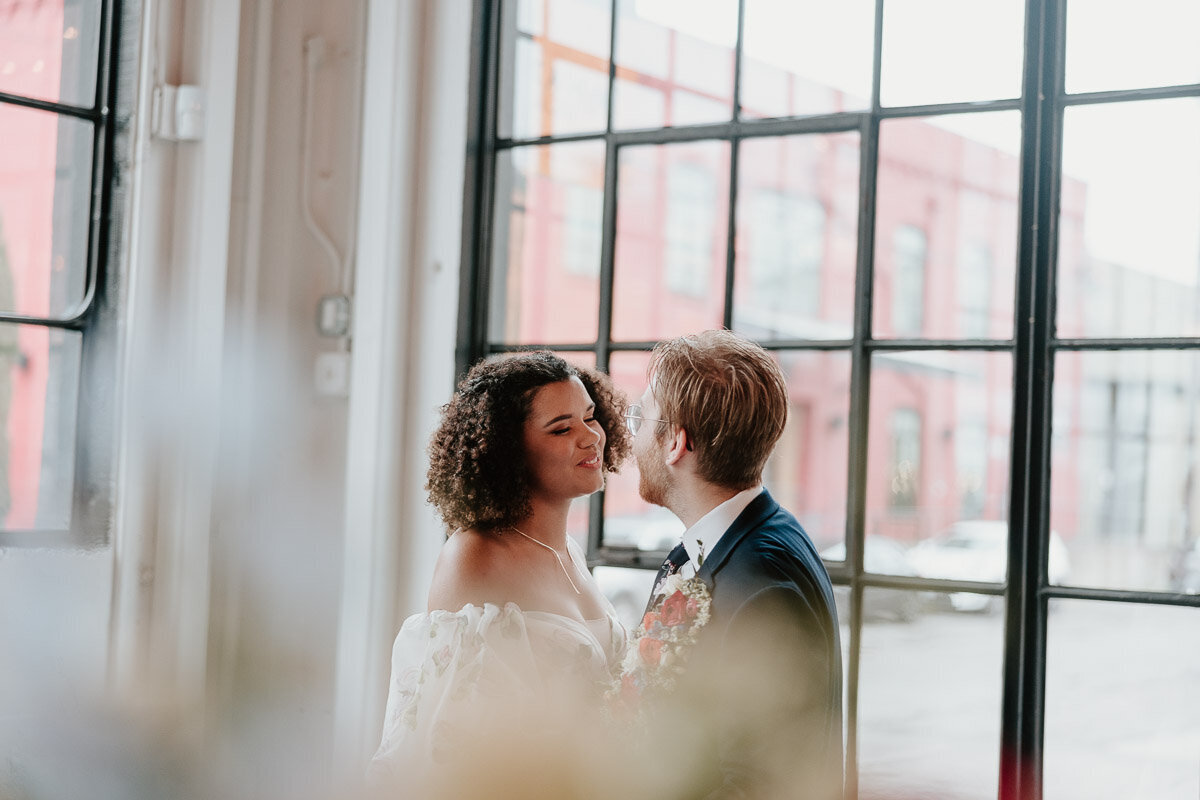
{"x": 712, "y": 526}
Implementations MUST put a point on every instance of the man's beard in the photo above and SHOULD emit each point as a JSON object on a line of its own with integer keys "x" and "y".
{"x": 653, "y": 478}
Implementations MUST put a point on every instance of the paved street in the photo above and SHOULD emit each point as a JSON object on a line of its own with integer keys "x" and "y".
{"x": 1123, "y": 705}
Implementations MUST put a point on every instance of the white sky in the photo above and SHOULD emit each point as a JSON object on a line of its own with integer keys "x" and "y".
{"x": 1140, "y": 161}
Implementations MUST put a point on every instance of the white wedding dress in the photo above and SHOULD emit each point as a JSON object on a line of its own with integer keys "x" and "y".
{"x": 482, "y": 675}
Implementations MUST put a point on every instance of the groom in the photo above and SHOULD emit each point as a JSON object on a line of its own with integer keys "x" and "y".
{"x": 761, "y": 698}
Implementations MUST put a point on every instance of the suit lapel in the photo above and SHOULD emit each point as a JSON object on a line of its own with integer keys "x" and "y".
{"x": 753, "y": 515}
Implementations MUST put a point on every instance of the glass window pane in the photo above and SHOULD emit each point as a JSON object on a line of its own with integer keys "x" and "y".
{"x": 669, "y": 271}
{"x": 946, "y": 226}
{"x": 807, "y": 473}
{"x": 806, "y": 57}
{"x": 39, "y": 389}
{"x": 947, "y": 51}
{"x": 797, "y": 243}
{"x": 881, "y": 557}
{"x": 584, "y": 358}
{"x": 639, "y": 105}
{"x": 554, "y": 67}
{"x": 1124, "y": 489}
{"x": 677, "y": 52}
{"x": 545, "y": 280}
{"x": 48, "y": 51}
{"x": 627, "y": 589}
{"x": 1122, "y": 690}
{"x": 1129, "y": 242}
{"x": 938, "y": 459}
{"x": 629, "y": 521}
{"x": 1157, "y": 40}
{"x": 45, "y": 191}
{"x": 910, "y": 256}
{"x": 929, "y": 704}
{"x": 975, "y": 287}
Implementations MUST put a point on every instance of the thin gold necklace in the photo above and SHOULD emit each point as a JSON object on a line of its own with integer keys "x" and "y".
{"x": 552, "y": 550}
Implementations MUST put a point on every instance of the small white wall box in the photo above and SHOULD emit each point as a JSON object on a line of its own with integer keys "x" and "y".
{"x": 177, "y": 113}
{"x": 333, "y": 315}
{"x": 332, "y": 375}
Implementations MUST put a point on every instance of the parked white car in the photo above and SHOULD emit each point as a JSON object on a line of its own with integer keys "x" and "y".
{"x": 977, "y": 550}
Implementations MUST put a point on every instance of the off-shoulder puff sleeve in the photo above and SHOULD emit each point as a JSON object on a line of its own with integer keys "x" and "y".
{"x": 473, "y": 675}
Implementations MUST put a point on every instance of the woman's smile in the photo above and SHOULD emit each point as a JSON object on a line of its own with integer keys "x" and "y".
{"x": 591, "y": 462}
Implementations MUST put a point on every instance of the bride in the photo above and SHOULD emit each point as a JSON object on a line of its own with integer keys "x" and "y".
{"x": 518, "y": 644}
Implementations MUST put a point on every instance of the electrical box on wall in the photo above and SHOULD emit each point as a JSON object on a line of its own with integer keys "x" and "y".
{"x": 333, "y": 316}
{"x": 332, "y": 375}
{"x": 177, "y": 113}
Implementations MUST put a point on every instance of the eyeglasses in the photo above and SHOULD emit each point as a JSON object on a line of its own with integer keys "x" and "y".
{"x": 634, "y": 418}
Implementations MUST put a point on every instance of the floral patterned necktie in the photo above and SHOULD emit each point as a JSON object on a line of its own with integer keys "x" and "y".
{"x": 675, "y": 559}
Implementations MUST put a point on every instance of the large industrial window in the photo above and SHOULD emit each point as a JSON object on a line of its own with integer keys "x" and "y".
{"x": 974, "y": 247}
{"x": 56, "y": 98}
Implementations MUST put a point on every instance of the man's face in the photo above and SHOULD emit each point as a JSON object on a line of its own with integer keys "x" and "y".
{"x": 654, "y": 479}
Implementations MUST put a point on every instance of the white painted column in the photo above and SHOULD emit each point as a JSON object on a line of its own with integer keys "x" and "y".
{"x": 406, "y": 296}
{"x": 171, "y": 363}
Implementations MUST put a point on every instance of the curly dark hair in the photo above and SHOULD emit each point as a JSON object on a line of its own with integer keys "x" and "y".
{"x": 478, "y": 477}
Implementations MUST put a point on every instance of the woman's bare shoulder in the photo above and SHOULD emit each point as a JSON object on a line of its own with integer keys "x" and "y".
{"x": 471, "y": 568}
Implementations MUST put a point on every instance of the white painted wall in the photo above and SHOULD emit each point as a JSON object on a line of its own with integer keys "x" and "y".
{"x": 267, "y": 540}
{"x": 414, "y": 144}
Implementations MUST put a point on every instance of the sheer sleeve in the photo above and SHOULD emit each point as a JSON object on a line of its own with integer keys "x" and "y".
{"x": 480, "y": 673}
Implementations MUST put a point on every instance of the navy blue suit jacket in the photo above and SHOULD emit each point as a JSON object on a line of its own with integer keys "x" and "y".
{"x": 769, "y": 662}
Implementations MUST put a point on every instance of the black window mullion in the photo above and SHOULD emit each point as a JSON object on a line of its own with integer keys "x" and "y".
{"x": 1041, "y": 369}
{"x": 608, "y": 242}
{"x": 477, "y": 229}
{"x": 948, "y": 109}
{"x": 64, "y": 109}
{"x": 1024, "y": 652}
{"x": 859, "y": 413}
{"x": 608, "y": 237}
{"x": 838, "y": 122}
{"x": 735, "y": 148}
{"x": 1123, "y": 95}
{"x": 860, "y": 391}
{"x": 1134, "y": 342}
{"x": 73, "y": 323}
{"x": 739, "y": 51}
{"x": 612, "y": 64}
{"x": 90, "y": 518}
{"x": 107, "y": 86}
{"x": 105, "y": 92}
{"x": 1123, "y": 596}
{"x": 97, "y": 212}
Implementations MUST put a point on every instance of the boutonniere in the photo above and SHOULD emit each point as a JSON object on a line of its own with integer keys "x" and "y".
{"x": 660, "y": 644}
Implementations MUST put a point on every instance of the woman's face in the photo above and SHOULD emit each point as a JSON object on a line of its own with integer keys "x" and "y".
{"x": 564, "y": 442}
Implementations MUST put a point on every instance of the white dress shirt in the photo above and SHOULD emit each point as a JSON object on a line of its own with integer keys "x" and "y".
{"x": 709, "y": 529}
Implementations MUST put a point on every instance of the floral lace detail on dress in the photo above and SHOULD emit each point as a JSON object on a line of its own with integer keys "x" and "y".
{"x": 483, "y": 668}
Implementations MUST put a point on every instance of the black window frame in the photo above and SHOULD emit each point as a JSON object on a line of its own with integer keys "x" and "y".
{"x": 1033, "y": 345}
{"x": 94, "y": 319}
